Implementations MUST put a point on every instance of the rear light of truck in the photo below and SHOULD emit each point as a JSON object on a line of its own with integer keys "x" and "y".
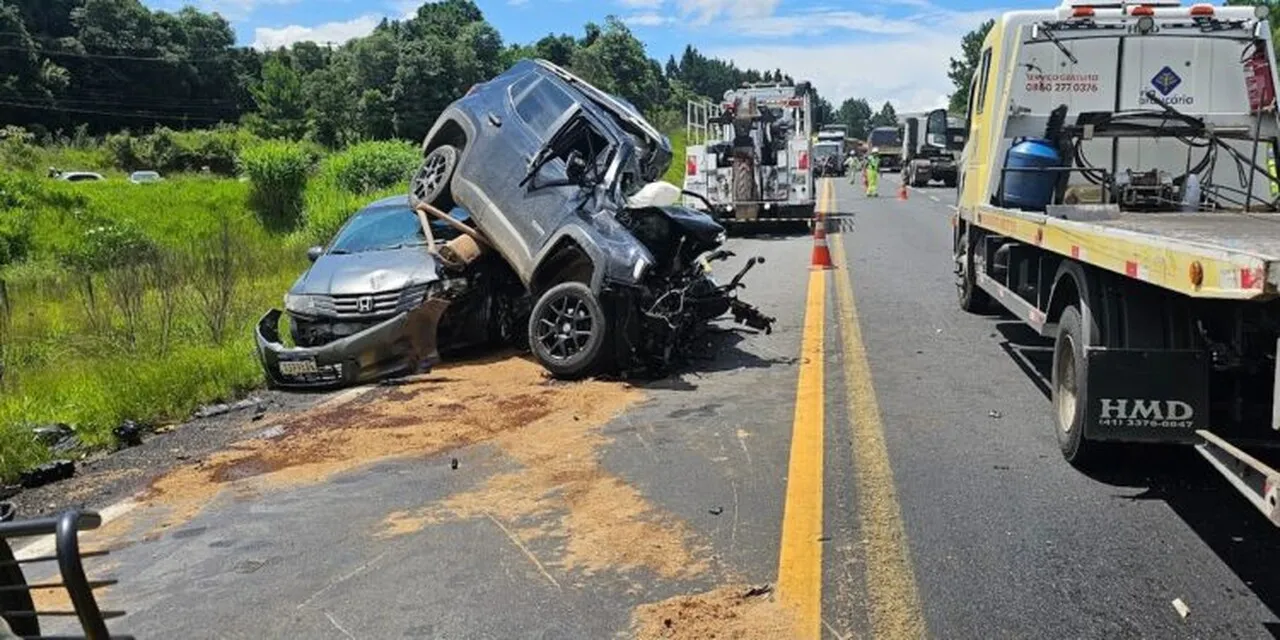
{"x": 1083, "y": 11}
{"x": 1201, "y": 10}
{"x": 803, "y": 163}
{"x": 1142, "y": 10}
{"x": 691, "y": 166}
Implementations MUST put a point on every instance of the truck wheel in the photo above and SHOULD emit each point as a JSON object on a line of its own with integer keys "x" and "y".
{"x": 1071, "y": 388}
{"x": 568, "y": 331}
{"x": 971, "y": 297}
{"x": 431, "y": 183}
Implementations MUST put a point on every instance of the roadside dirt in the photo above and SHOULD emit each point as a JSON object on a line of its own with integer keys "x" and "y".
{"x": 728, "y": 613}
{"x": 457, "y": 406}
{"x": 562, "y": 495}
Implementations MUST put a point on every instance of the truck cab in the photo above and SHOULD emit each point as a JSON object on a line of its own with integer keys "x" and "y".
{"x": 931, "y": 147}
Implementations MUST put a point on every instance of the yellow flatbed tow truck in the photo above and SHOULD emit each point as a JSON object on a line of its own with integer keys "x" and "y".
{"x": 1118, "y": 194}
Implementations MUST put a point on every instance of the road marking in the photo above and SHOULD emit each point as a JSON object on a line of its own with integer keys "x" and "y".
{"x": 894, "y": 608}
{"x": 800, "y": 558}
{"x": 48, "y": 545}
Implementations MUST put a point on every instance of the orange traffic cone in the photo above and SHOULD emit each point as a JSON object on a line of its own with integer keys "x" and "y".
{"x": 902, "y": 190}
{"x": 821, "y": 253}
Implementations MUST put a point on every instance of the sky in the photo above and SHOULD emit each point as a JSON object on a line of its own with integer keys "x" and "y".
{"x": 875, "y": 49}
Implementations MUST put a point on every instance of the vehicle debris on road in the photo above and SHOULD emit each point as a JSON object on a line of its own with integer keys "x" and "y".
{"x": 47, "y": 473}
{"x": 537, "y": 216}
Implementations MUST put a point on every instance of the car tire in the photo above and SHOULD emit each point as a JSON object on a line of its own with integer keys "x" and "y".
{"x": 1070, "y": 382}
{"x": 569, "y": 307}
{"x": 950, "y": 183}
{"x": 971, "y": 297}
{"x": 431, "y": 184}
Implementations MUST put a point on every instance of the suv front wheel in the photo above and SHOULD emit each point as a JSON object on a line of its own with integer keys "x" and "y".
{"x": 568, "y": 331}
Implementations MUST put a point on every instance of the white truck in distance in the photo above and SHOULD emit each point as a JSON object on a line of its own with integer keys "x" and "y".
{"x": 751, "y": 155}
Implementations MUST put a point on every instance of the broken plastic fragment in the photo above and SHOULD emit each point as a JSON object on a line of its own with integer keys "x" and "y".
{"x": 1181, "y": 607}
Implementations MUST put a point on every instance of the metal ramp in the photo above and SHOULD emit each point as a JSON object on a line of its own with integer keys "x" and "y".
{"x": 1255, "y": 480}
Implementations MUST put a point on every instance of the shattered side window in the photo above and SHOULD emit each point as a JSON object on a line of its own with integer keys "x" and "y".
{"x": 542, "y": 105}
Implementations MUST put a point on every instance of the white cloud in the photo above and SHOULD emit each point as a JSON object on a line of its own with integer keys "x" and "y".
{"x": 704, "y": 12}
{"x": 907, "y": 65}
{"x": 335, "y": 32}
{"x": 648, "y": 19}
{"x": 641, "y": 4}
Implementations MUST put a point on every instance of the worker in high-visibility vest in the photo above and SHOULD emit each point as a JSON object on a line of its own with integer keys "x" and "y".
{"x": 1271, "y": 171}
{"x": 851, "y": 167}
{"x": 873, "y": 174}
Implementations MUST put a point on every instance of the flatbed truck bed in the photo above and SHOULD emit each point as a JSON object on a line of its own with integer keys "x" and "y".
{"x": 1137, "y": 243}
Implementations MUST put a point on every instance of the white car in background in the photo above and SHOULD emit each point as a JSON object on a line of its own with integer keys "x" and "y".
{"x": 144, "y": 177}
{"x": 80, "y": 176}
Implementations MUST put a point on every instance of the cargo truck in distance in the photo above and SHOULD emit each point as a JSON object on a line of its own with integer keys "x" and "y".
{"x": 750, "y": 157}
{"x": 888, "y": 142}
{"x": 829, "y": 151}
{"x": 1117, "y": 195}
{"x": 931, "y": 147}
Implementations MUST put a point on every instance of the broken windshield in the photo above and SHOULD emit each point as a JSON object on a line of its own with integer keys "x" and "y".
{"x": 380, "y": 230}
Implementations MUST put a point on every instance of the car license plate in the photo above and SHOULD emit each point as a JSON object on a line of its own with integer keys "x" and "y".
{"x": 298, "y": 367}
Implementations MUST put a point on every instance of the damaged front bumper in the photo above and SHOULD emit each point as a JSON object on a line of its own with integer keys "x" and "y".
{"x": 398, "y": 346}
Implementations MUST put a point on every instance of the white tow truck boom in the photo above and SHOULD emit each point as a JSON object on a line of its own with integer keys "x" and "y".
{"x": 750, "y": 156}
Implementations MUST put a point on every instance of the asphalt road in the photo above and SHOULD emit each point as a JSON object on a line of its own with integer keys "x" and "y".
{"x": 887, "y": 461}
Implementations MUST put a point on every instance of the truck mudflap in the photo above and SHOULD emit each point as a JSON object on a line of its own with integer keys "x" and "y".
{"x": 1147, "y": 395}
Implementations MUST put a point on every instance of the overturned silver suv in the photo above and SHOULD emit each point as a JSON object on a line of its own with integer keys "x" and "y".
{"x": 560, "y": 183}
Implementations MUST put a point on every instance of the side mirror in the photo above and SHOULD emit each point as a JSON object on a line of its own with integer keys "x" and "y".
{"x": 314, "y": 253}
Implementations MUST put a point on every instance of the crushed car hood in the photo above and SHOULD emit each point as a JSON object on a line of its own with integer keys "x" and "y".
{"x": 368, "y": 272}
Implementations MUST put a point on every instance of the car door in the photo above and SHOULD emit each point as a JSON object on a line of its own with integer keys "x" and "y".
{"x": 533, "y": 209}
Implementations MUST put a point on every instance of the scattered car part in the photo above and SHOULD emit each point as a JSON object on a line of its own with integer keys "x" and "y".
{"x": 128, "y": 434}
{"x": 47, "y": 473}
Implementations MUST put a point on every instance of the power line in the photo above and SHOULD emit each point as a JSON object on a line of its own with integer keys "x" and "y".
{"x": 118, "y": 114}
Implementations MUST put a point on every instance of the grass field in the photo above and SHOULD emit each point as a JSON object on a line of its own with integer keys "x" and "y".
{"x": 137, "y": 302}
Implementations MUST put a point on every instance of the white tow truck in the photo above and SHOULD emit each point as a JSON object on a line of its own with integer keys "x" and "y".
{"x": 1118, "y": 195}
{"x": 751, "y": 155}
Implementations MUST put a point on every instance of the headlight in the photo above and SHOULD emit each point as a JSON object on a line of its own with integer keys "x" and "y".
{"x": 303, "y": 305}
{"x": 722, "y": 237}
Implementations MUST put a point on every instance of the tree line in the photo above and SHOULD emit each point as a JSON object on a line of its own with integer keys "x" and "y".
{"x": 111, "y": 65}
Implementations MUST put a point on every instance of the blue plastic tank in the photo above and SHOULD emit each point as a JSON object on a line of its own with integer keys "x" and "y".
{"x": 1031, "y": 190}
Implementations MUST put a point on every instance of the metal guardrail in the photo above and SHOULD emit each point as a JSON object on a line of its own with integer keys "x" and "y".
{"x": 18, "y": 608}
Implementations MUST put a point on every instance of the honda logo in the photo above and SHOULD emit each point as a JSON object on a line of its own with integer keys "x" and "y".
{"x": 364, "y": 304}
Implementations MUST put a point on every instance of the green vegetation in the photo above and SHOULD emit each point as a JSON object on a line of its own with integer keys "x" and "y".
{"x": 373, "y": 166}
{"x": 278, "y": 171}
{"x": 137, "y": 302}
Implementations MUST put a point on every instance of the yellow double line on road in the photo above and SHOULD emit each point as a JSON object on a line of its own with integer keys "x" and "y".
{"x": 893, "y": 606}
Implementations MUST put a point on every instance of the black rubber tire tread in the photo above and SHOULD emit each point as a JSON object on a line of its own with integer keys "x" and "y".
{"x": 594, "y": 356}
{"x": 744, "y": 187}
{"x": 442, "y": 199}
{"x": 971, "y": 298}
{"x": 1076, "y": 449}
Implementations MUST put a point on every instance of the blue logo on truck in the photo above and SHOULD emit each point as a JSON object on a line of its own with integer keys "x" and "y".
{"x": 1166, "y": 81}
